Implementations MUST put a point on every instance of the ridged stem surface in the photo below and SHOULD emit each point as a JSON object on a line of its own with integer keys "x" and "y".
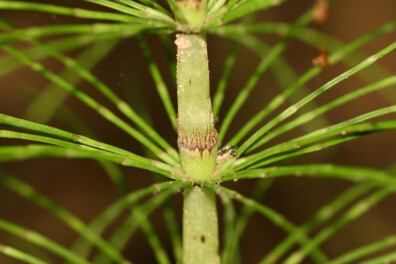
{"x": 197, "y": 143}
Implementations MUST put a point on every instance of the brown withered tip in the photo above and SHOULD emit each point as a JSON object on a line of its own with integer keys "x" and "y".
{"x": 321, "y": 60}
{"x": 320, "y": 11}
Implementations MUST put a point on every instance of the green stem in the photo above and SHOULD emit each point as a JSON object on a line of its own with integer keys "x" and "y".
{"x": 197, "y": 139}
{"x": 200, "y": 232}
{"x": 197, "y": 134}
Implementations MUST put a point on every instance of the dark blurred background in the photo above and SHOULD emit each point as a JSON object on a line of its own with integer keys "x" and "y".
{"x": 82, "y": 187}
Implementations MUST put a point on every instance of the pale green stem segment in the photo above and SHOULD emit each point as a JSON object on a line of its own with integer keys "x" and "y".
{"x": 197, "y": 136}
{"x": 198, "y": 149}
{"x": 200, "y": 231}
{"x": 191, "y": 14}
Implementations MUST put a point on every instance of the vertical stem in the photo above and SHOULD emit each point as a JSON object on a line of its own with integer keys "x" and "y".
{"x": 197, "y": 137}
{"x": 200, "y": 231}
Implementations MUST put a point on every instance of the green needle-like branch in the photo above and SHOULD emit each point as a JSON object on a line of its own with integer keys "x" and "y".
{"x": 162, "y": 89}
{"x": 100, "y": 109}
{"x": 97, "y": 28}
{"x": 366, "y": 250}
{"x": 60, "y": 10}
{"x": 335, "y": 134}
{"x": 264, "y": 64}
{"x": 292, "y": 109}
{"x": 354, "y": 212}
{"x": 232, "y": 31}
{"x": 272, "y": 215}
{"x": 103, "y": 220}
{"x": 106, "y": 91}
{"x": 354, "y": 174}
{"x": 20, "y": 255}
{"x": 70, "y": 220}
{"x": 37, "y": 239}
{"x": 323, "y": 215}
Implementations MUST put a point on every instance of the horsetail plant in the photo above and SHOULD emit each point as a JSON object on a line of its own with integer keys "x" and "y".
{"x": 201, "y": 158}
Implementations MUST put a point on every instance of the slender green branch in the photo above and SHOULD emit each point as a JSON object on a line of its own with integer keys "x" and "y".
{"x": 116, "y": 175}
{"x": 70, "y": 220}
{"x": 292, "y": 109}
{"x": 260, "y": 188}
{"x": 72, "y": 149}
{"x": 251, "y": 6}
{"x": 391, "y": 81}
{"x": 300, "y": 150}
{"x": 170, "y": 218}
{"x": 322, "y": 215}
{"x": 356, "y": 211}
{"x": 37, "y": 239}
{"x": 366, "y": 250}
{"x": 229, "y": 226}
{"x": 272, "y": 215}
{"x": 179, "y": 16}
{"x": 138, "y": 218}
{"x": 43, "y": 139}
{"x": 31, "y": 151}
{"x": 155, "y": 243}
{"x": 153, "y": 4}
{"x": 235, "y": 9}
{"x": 61, "y": 10}
{"x": 99, "y": 224}
{"x": 324, "y": 133}
{"x": 159, "y": 82}
{"x": 17, "y": 254}
{"x": 48, "y": 101}
{"x": 17, "y": 123}
{"x": 354, "y": 174}
{"x": 98, "y": 28}
{"x": 222, "y": 85}
{"x": 342, "y": 135}
{"x": 158, "y": 13}
{"x": 10, "y": 63}
{"x": 100, "y": 109}
{"x": 66, "y": 116}
{"x": 381, "y": 259}
{"x": 106, "y": 91}
{"x": 261, "y": 68}
{"x": 214, "y": 6}
{"x": 146, "y": 14}
{"x": 156, "y": 6}
{"x": 170, "y": 54}
{"x": 333, "y": 58}
{"x": 285, "y": 76}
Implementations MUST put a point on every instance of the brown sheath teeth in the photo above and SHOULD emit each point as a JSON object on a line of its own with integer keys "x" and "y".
{"x": 196, "y": 142}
